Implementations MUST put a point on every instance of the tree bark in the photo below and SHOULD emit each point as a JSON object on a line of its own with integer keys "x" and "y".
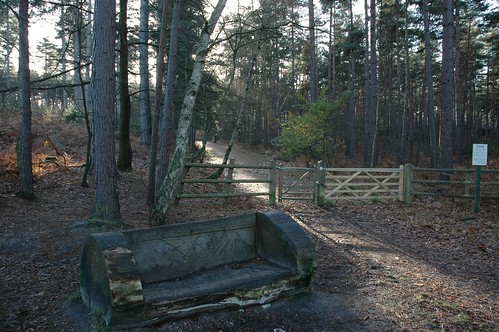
{"x": 8, "y": 51}
{"x": 77, "y": 79}
{"x": 371, "y": 107}
{"x": 314, "y": 84}
{"x": 64, "y": 47}
{"x": 166, "y": 118}
{"x": 145, "y": 100}
{"x": 351, "y": 89}
{"x": 457, "y": 90}
{"x": 24, "y": 144}
{"x": 160, "y": 70}
{"x": 430, "y": 108}
{"x": 447, "y": 84}
{"x": 87, "y": 93}
{"x": 373, "y": 90}
{"x": 103, "y": 83}
{"x": 125, "y": 147}
{"x": 176, "y": 168}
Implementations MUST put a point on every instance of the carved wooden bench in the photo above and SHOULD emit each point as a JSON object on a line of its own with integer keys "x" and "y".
{"x": 141, "y": 277}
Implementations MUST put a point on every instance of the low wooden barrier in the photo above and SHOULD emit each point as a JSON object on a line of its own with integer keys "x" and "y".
{"x": 225, "y": 183}
{"x": 454, "y": 182}
{"x": 141, "y": 277}
{"x": 363, "y": 183}
{"x": 321, "y": 183}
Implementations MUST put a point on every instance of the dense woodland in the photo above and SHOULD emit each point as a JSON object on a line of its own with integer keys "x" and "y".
{"x": 407, "y": 81}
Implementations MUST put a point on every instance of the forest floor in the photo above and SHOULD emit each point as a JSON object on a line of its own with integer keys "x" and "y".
{"x": 382, "y": 266}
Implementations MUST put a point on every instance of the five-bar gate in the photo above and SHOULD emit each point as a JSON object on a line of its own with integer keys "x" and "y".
{"x": 297, "y": 183}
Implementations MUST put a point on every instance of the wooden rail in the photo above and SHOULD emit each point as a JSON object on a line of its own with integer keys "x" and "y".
{"x": 320, "y": 183}
{"x": 363, "y": 183}
{"x": 297, "y": 183}
{"x": 456, "y": 183}
{"x": 222, "y": 186}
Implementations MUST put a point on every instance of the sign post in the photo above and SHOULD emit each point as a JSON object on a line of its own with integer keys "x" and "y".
{"x": 479, "y": 159}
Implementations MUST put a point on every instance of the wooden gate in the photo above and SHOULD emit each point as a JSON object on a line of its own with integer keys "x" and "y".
{"x": 297, "y": 183}
{"x": 364, "y": 183}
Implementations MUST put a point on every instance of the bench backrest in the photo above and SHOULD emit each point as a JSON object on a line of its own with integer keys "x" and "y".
{"x": 174, "y": 251}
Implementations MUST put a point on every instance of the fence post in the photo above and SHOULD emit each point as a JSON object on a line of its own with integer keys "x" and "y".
{"x": 407, "y": 184}
{"x": 321, "y": 182}
{"x": 279, "y": 189}
{"x": 467, "y": 182}
{"x": 401, "y": 183}
{"x": 476, "y": 206}
{"x": 230, "y": 176}
{"x": 272, "y": 184}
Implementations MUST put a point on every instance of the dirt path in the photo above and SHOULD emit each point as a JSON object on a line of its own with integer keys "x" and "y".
{"x": 242, "y": 157}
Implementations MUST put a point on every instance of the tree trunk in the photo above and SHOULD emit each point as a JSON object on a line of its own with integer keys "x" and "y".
{"x": 166, "y": 118}
{"x": 407, "y": 85}
{"x": 351, "y": 90}
{"x": 458, "y": 90}
{"x": 314, "y": 84}
{"x": 371, "y": 108}
{"x": 125, "y": 147}
{"x": 429, "y": 85}
{"x": 87, "y": 93}
{"x": 330, "y": 55}
{"x": 24, "y": 145}
{"x": 160, "y": 70}
{"x": 77, "y": 90}
{"x": 401, "y": 113}
{"x": 447, "y": 84}
{"x": 373, "y": 67}
{"x": 239, "y": 121}
{"x": 81, "y": 94}
{"x": 367, "y": 99}
{"x": 145, "y": 100}
{"x": 8, "y": 51}
{"x": 176, "y": 169}
{"x": 103, "y": 83}
{"x": 64, "y": 47}
{"x": 88, "y": 60}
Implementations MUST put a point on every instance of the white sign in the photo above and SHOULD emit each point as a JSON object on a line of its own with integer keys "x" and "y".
{"x": 479, "y": 155}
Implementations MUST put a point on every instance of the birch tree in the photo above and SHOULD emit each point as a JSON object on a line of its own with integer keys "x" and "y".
{"x": 176, "y": 168}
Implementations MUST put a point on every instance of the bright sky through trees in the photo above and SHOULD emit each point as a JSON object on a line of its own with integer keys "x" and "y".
{"x": 45, "y": 27}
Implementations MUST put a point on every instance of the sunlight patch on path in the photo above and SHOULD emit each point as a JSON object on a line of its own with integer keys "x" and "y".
{"x": 217, "y": 152}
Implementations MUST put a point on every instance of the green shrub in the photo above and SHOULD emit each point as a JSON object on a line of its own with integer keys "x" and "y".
{"x": 311, "y": 134}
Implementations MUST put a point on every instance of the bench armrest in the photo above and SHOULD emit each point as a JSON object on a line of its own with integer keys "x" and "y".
{"x": 109, "y": 278}
{"x": 282, "y": 241}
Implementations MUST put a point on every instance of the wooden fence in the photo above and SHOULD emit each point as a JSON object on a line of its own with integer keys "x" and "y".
{"x": 223, "y": 185}
{"x": 320, "y": 183}
{"x": 297, "y": 183}
{"x": 457, "y": 183}
{"x": 362, "y": 183}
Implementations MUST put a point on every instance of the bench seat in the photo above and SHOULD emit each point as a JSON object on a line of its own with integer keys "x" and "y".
{"x": 221, "y": 280}
{"x": 141, "y": 277}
